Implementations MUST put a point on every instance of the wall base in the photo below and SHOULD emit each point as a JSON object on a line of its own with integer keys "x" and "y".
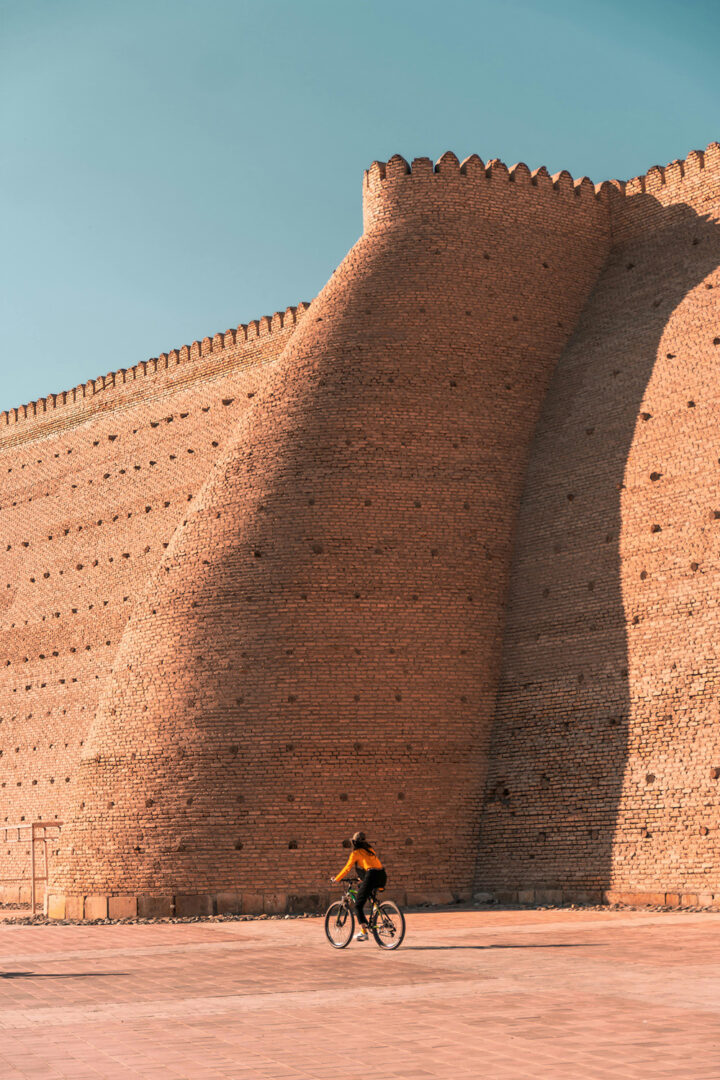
{"x": 284, "y": 902}
{"x": 561, "y": 896}
{"x": 188, "y": 905}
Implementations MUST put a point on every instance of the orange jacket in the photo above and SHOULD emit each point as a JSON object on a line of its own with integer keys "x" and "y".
{"x": 366, "y": 860}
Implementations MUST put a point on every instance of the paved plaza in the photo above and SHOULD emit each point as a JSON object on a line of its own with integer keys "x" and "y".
{"x": 507, "y": 995}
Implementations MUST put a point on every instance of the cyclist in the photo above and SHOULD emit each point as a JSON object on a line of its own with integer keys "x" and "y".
{"x": 370, "y": 870}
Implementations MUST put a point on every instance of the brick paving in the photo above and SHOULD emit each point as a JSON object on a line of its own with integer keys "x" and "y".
{"x": 512, "y": 995}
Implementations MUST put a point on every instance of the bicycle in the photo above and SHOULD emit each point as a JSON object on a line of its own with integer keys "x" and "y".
{"x": 386, "y": 921}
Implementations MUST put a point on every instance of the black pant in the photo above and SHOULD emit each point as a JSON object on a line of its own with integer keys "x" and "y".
{"x": 374, "y": 879}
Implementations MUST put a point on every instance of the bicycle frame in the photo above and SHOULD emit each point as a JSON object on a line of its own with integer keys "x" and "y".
{"x": 349, "y": 897}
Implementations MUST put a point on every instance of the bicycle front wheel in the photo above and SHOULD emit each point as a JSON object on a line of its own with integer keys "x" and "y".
{"x": 389, "y": 926}
{"x": 339, "y": 925}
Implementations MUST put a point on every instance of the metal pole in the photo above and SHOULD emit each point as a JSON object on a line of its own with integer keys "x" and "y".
{"x": 32, "y": 867}
{"x": 47, "y": 874}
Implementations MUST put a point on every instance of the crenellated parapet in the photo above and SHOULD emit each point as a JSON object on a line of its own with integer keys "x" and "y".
{"x": 690, "y": 185}
{"x": 680, "y": 179}
{"x": 246, "y": 335}
{"x": 398, "y": 188}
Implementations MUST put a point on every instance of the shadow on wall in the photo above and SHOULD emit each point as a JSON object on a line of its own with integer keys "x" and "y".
{"x": 591, "y": 692}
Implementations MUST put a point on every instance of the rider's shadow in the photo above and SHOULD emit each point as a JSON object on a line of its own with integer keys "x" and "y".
{"x": 62, "y": 975}
{"x": 557, "y": 945}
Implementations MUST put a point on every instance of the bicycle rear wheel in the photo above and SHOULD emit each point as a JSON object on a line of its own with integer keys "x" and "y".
{"x": 389, "y": 925}
{"x": 339, "y": 925}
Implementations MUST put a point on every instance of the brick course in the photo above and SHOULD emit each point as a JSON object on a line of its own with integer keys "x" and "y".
{"x": 262, "y": 590}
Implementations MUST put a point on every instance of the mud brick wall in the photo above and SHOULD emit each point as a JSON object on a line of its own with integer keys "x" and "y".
{"x": 94, "y": 483}
{"x": 605, "y": 762}
{"x": 318, "y": 648}
{"x": 437, "y": 560}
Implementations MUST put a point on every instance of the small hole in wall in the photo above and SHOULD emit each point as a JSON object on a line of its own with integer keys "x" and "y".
{"x": 643, "y": 575}
{"x": 656, "y": 529}
{"x": 343, "y": 797}
{"x": 670, "y": 356}
{"x": 646, "y": 416}
{"x": 654, "y": 476}
{"x": 408, "y": 841}
{"x": 650, "y": 778}
{"x": 346, "y": 843}
{"x": 691, "y": 404}
{"x": 694, "y": 566}
{"x": 292, "y": 845}
{"x": 238, "y": 845}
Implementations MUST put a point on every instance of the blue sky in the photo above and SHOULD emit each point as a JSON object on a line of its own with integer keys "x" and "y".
{"x": 171, "y": 168}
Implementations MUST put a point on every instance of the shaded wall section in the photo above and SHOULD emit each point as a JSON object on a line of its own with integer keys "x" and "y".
{"x": 319, "y": 647}
{"x": 605, "y": 761}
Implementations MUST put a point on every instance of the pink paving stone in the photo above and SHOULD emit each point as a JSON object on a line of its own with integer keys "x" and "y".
{"x": 516, "y": 995}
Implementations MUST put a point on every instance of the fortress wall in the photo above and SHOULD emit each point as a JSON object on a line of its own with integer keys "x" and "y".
{"x": 319, "y": 646}
{"x": 692, "y": 183}
{"x": 92, "y": 490}
{"x": 605, "y": 760}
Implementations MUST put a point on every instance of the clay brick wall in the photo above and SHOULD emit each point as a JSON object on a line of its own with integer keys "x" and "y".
{"x": 319, "y": 645}
{"x": 439, "y": 562}
{"x": 93, "y": 485}
{"x": 605, "y": 762}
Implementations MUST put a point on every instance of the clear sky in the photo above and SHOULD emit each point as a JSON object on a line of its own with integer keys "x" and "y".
{"x": 171, "y": 168}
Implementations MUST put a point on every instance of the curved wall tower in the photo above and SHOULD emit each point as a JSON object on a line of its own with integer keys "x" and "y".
{"x": 320, "y": 644}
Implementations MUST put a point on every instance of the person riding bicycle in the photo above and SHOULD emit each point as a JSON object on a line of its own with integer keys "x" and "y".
{"x": 370, "y": 870}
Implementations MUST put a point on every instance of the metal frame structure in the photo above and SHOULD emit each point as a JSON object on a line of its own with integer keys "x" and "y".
{"x": 38, "y": 834}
